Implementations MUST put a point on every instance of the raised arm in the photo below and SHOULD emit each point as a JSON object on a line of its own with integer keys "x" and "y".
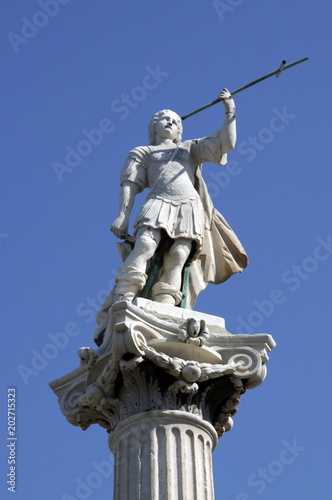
{"x": 214, "y": 147}
{"x": 228, "y": 129}
{"x": 126, "y": 201}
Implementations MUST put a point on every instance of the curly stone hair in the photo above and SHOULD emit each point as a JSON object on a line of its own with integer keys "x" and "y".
{"x": 153, "y": 124}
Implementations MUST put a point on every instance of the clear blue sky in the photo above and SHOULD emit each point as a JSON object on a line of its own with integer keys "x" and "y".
{"x": 66, "y": 68}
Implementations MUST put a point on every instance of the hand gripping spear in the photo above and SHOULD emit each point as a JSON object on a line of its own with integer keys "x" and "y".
{"x": 277, "y": 73}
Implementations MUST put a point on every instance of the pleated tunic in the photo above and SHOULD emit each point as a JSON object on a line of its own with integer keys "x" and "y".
{"x": 173, "y": 203}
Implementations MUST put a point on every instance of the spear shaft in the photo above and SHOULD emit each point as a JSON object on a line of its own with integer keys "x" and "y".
{"x": 283, "y": 67}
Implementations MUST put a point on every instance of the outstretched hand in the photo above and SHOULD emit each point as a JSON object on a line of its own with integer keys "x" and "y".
{"x": 226, "y": 98}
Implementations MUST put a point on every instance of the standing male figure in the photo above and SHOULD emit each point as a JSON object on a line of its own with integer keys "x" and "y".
{"x": 178, "y": 206}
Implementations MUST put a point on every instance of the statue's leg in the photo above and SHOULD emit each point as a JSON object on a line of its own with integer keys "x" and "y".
{"x": 131, "y": 277}
{"x": 167, "y": 290}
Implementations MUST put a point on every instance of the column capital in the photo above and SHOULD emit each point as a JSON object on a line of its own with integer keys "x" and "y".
{"x": 156, "y": 357}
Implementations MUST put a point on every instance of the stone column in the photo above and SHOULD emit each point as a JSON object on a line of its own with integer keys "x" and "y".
{"x": 163, "y": 455}
{"x": 165, "y": 383}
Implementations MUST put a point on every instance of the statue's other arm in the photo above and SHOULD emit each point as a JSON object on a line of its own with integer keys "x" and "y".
{"x": 133, "y": 180}
{"x": 126, "y": 201}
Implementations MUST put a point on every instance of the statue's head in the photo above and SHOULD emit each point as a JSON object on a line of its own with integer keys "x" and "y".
{"x": 154, "y": 121}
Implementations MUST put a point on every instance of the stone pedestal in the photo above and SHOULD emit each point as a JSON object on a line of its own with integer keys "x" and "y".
{"x": 165, "y": 383}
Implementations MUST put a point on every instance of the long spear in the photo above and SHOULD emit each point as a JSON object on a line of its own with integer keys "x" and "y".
{"x": 277, "y": 72}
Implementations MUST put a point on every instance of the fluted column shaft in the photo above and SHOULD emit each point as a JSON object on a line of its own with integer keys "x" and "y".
{"x": 163, "y": 455}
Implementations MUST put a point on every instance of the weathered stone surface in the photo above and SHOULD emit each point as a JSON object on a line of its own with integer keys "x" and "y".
{"x": 163, "y": 454}
{"x": 165, "y": 384}
{"x": 168, "y": 362}
{"x": 177, "y": 226}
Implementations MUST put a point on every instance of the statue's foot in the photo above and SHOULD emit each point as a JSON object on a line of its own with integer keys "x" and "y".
{"x": 166, "y": 294}
{"x": 165, "y": 298}
{"x": 129, "y": 296}
{"x": 129, "y": 281}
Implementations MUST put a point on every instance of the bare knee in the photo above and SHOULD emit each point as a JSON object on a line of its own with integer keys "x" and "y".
{"x": 145, "y": 248}
{"x": 179, "y": 252}
{"x": 146, "y": 243}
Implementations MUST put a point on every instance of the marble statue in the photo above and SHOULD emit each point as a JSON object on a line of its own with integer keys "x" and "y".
{"x": 177, "y": 218}
{"x": 174, "y": 205}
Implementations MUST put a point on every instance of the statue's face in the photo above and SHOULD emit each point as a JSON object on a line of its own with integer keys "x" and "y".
{"x": 167, "y": 126}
